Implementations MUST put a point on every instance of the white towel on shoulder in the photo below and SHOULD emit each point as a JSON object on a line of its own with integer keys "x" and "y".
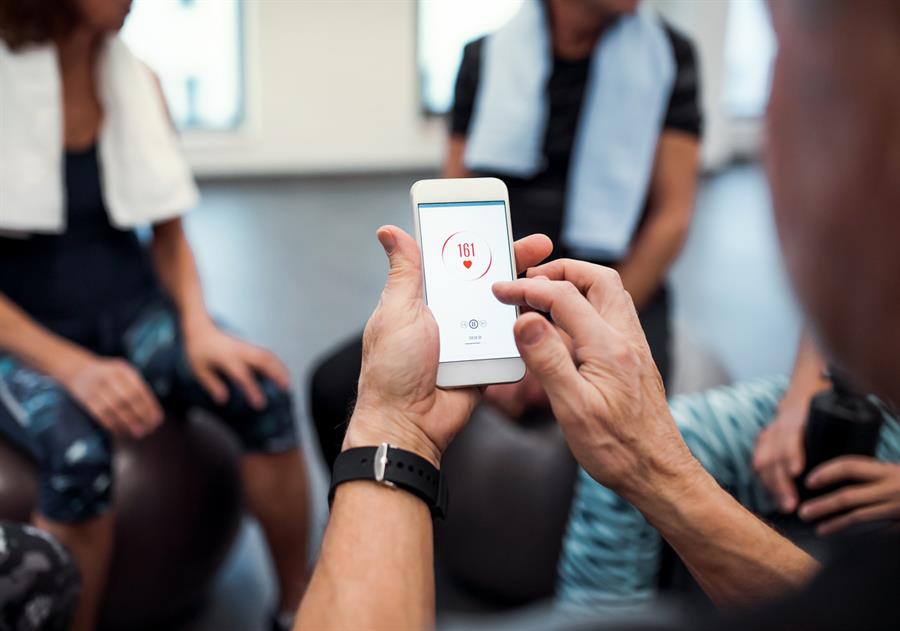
{"x": 631, "y": 76}
{"x": 145, "y": 178}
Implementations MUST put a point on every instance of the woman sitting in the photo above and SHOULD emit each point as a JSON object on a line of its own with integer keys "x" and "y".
{"x": 98, "y": 334}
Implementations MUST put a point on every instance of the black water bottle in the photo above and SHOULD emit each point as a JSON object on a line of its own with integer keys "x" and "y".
{"x": 841, "y": 422}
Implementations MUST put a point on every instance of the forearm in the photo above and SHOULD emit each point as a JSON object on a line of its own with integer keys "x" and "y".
{"x": 33, "y": 344}
{"x": 454, "y": 164}
{"x": 376, "y": 569}
{"x": 177, "y": 271}
{"x": 670, "y": 204}
{"x": 735, "y": 557}
{"x": 808, "y": 376}
{"x": 656, "y": 247}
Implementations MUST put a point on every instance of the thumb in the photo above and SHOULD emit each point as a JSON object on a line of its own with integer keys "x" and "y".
{"x": 547, "y": 357}
{"x": 405, "y": 273}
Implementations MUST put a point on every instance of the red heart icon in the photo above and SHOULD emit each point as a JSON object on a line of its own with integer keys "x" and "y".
{"x": 467, "y": 264}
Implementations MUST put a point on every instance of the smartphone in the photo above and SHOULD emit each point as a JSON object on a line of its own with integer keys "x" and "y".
{"x": 465, "y": 236}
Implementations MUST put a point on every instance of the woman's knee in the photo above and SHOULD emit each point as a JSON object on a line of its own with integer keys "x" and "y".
{"x": 271, "y": 429}
{"x": 75, "y": 466}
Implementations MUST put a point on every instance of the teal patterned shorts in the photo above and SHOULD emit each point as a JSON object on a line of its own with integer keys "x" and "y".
{"x": 74, "y": 454}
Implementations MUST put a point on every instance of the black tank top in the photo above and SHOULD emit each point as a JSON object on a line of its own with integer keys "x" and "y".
{"x": 74, "y": 281}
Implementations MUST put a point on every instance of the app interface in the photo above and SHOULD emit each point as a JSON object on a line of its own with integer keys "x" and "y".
{"x": 465, "y": 250}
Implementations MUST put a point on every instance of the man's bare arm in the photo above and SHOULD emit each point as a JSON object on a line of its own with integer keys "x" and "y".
{"x": 453, "y": 163}
{"x": 736, "y": 558}
{"x": 376, "y": 570}
{"x": 610, "y": 402}
{"x": 673, "y": 187}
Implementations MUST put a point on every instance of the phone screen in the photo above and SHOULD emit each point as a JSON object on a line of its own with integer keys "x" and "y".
{"x": 465, "y": 250}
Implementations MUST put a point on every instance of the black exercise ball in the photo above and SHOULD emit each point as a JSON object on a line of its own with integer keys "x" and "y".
{"x": 178, "y": 510}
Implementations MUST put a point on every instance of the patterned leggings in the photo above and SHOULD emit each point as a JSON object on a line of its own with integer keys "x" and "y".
{"x": 611, "y": 554}
{"x": 74, "y": 454}
{"x": 39, "y": 583}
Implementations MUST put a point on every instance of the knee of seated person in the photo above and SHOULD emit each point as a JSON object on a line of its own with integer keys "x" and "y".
{"x": 271, "y": 429}
{"x": 278, "y": 400}
{"x": 76, "y": 475}
{"x": 75, "y": 493}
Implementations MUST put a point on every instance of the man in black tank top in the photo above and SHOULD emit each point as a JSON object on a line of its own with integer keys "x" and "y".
{"x": 100, "y": 336}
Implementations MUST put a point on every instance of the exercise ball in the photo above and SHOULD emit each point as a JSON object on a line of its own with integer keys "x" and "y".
{"x": 510, "y": 487}
{"x": 178, "y": 510}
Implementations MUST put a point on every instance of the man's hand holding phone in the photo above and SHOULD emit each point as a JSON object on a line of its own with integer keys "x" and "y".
{"x": 398, "y": 400}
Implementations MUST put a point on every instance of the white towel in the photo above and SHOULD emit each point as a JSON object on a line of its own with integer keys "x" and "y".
{"x": 145, "y": 178}
{"x": 631, "y": 78}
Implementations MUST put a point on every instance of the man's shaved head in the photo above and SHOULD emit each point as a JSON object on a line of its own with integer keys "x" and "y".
{"x": 834, "y": 163}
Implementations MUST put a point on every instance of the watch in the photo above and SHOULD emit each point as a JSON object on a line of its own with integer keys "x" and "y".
{"x": 393, "y": 467}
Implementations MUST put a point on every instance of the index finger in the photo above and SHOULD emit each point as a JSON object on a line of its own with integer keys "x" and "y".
{"x": 270, "y": 366}
{"x": 145, "y": 402}
{"x": 243, "y": 379}
{"x": 601, "y": 285}
{"x": 531, "y": 250}
{"x": 561, "y": 299}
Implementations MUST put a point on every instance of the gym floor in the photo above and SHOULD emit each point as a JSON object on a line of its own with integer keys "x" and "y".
{"x": 294, "y": 265}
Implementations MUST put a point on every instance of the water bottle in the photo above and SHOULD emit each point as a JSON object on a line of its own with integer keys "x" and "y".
{"x": 841, "y": 422}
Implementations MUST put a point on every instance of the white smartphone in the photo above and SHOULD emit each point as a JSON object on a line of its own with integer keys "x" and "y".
{"x": 465, "y": 236}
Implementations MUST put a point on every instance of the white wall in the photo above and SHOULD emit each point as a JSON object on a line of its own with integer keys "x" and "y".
{"x": 332, "y": 87}
{"x": 724, "y": 137}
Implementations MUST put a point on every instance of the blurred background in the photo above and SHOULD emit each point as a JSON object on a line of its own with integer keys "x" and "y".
{"x": 307, "y": 121}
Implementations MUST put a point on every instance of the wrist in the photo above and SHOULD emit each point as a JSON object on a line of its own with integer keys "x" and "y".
{"x": 67, "y": 363}
{"x": 195, "y": 323}
{"x": 793, "y": 410}
{"x": 682, "y": 501}
{"x": 667, "y": 477}
{"x": 800, "y": 392}
{"x": 377, "y": 497}
{"x": 369, "y": 427}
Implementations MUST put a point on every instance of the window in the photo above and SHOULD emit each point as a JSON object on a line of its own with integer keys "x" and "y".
{"x": 445, "y": 27}
{"x": 749, "y": 51}
{"x": 195, "y": 46}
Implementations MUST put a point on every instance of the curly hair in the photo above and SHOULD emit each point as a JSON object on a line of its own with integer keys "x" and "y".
{"x": 24, "y": 22}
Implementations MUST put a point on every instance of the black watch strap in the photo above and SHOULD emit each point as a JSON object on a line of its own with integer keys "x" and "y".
{"x": 392, "y": 467}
